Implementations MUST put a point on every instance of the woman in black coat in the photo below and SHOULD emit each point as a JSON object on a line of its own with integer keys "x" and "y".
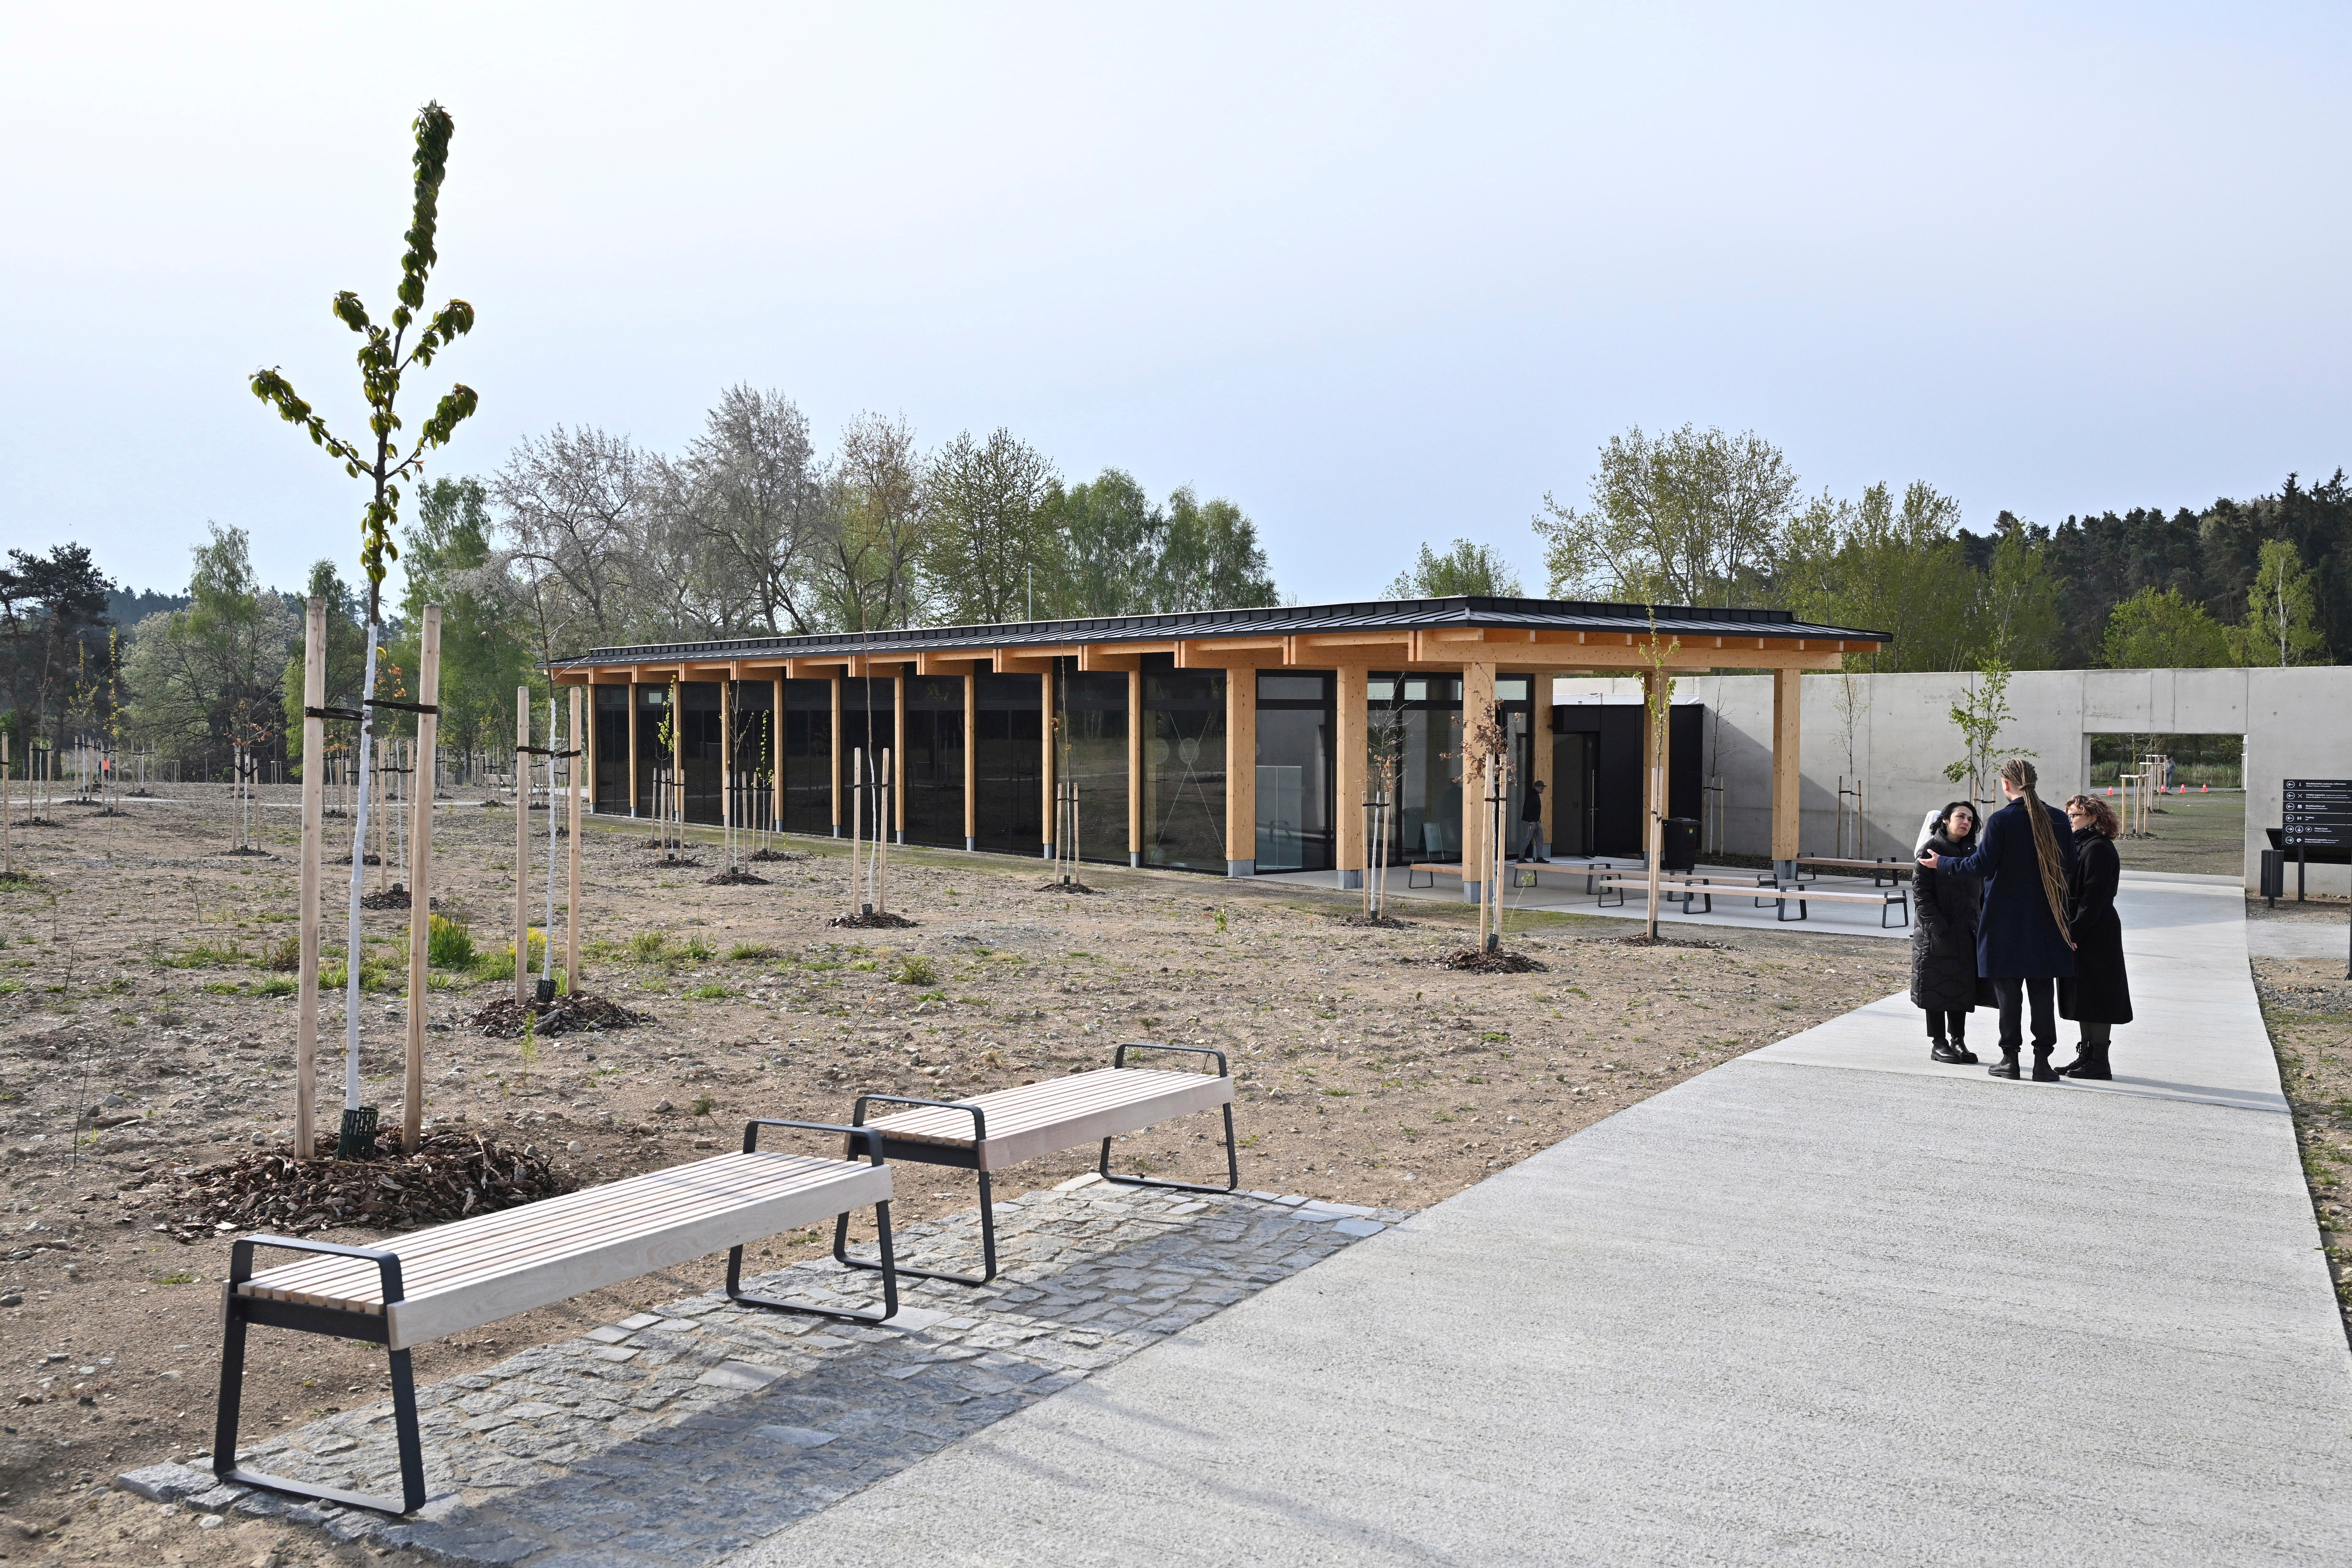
{"x": 2098, "y": 996}
{"x": 2027, "y": 853}
{"x": 1944, "y": 936}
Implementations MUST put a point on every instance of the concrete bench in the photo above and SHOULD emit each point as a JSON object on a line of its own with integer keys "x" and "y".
{"x": 990, "y": 1131}
{"x": 422, "y": 1287}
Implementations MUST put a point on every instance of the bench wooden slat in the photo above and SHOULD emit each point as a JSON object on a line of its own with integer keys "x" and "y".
{"x": 478, "y": 1270}
{"x": 1047, "y": 1117}
{"x": 434, "y": 1252}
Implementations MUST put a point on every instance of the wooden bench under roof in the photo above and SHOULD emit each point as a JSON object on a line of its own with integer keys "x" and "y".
{"x": 412, "y": 1289}
{"x": 990, "y": 1131}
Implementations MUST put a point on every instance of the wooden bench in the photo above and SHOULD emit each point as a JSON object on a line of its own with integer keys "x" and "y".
{"x": 415, "y": 1288}
{"x": 1880, "y": 872}
{"x": 1684, "y": 887}
{"x": 1800, "y": 895}
{"x": 990, "y": 1131}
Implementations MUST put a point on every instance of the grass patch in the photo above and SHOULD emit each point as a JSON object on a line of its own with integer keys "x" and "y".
{"x": 917, "y": 971}
{"x": 449, "y": 944}
{"x": 712, "y": 992}
{"x": 749, "y": 952}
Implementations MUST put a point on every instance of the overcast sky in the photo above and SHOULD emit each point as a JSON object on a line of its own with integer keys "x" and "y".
{"x": 1380, "y": 276}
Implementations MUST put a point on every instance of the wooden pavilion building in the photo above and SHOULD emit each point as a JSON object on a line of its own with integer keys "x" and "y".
{"x": 1153, "y": 720}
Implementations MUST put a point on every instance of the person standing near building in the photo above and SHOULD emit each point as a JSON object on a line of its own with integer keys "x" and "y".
{"x": 2022, "y": 945}
{"x": 1944, "y": 983}
{"x": 2098, "y": 995}
{"x": 1531, "y": 826}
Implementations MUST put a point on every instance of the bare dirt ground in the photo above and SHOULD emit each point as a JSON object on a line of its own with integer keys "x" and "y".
{"x": 2307, "y": 1005}
{"x": 139, "y": 1039}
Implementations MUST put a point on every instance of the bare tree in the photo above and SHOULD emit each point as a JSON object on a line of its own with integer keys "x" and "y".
{"x": 572, "y": 504}
{"x": 745, "y": 486}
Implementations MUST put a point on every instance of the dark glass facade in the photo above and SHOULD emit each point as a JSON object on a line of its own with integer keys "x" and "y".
{"x": 1092, "y": 750}
{"x": 934, "y": 769}
{"x": 653, "y": 744}
{"x": 808, "y": 756}
{"x": 1184, "y": 767}
{"x": 609, "y": 783}
{"x": 1011, "y": 746}
{"x": 869, "y": 727}
{"x": 753, "y": 780}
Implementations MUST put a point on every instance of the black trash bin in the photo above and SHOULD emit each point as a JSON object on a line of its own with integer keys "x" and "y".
{"x": 1681, "y": 846}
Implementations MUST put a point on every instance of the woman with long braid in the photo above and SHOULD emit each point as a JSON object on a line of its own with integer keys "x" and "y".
{"x": 2022, "y": 943}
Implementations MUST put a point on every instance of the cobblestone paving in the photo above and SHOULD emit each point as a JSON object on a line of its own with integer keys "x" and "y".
{"x": 672, "y": 1438}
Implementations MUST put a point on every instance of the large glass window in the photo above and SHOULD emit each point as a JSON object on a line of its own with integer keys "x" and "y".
{"x": 1184, "y": 770}
{"x": 1011, "y": 805}
{"x": 1092, "y": 751}
{"x": 1294, "y": 773}
{"x": 869, "y": 727}
{"x": 653, "y": 749}
{"x": 609, "y": 786}
{"x": 808, "y": 756}
{"x": 752, "y": 780}
{"x": 698, "y": 723}
{"x": 935, "y": 759}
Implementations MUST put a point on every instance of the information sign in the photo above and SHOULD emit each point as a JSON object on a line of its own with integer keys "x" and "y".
{"x": 2316, "y": 814}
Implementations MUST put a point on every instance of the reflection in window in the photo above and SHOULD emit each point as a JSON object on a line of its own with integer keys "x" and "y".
{"x": 1184, "y": 770}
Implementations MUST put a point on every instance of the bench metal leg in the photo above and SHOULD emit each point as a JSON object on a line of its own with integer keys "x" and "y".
{"x": 1781, "y": 911}
{"x": 403, "y": 1417}
{"x": 1232, "y": 1167}
{"x": 888, "y": 1268}
{"x": 987, "y": 1244}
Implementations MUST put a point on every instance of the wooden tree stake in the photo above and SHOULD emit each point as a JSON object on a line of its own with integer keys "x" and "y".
{"x": 571, "y": 906}
{"x": 420, "y": 878}
{"x": 314, "y": 831}
{"x": 522, "y": 846}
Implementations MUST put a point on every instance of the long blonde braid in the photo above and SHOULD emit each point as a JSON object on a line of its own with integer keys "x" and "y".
{"x": 2021, "y": 776}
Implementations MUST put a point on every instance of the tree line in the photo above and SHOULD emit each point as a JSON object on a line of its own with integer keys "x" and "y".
{"x": 1693, "y": 517}
{"x": 584, "y": 539}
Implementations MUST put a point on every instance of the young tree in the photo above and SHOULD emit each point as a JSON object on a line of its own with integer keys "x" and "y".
{"x": 2282, "y": 625}
{"x": 1475, "y": 571}
{"x": 1691, "y": 517}
{"x": 2160, "y": 629}
{"x": 1981, "y": 715}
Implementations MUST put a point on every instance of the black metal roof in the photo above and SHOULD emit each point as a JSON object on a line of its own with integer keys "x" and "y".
{"x": 1418, "y": 614}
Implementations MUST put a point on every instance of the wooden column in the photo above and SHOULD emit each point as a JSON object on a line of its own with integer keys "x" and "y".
{"x": 776, "y": 763}
{"x": 899, "y": 755}
{"x": 632, "y": 742}
{"x": 314, "y": 804}
{"x": 727, "y": 763}
{"x": 1046, "y": 762}
{"x": 1539, "y": 748}
{"x": 1787, "y": 756}
{"x": 1349, "y": 767}
{"x": 971, "y": 757}
{"x": 1658, "y": 772}
{"x": 834, "y": 757}
{"x": 571, "y": 896}
{"x": 420, "y": 877}
{"x": 1135, "y": 732}
{"x": 1241, "y": 772}
{"x": 1477, "y": 703}
{"x": 677, "y": 755}
{"x": 523, "y": 845}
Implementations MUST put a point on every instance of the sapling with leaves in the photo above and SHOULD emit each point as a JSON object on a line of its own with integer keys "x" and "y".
{"x": 384, "y": 461}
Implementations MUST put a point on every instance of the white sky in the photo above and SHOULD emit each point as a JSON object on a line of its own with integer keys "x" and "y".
{"x": 1378, "y": 275}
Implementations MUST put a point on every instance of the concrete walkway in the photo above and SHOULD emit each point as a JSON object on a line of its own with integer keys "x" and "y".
{"x": 1828, "y": 1303}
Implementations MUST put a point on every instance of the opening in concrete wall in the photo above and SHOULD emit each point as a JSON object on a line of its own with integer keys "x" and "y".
{"x": 2200, "y": 761}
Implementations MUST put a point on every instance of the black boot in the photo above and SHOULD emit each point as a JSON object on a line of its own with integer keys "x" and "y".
{"x": 1960, "y": 1052}
{"x": 2041, "y": 1071}
{"x": 1939, "y": 1050}
{"x": 2082, "y": 1059}
{"x": 2005, "y": 1068}
{"x": 2091, "y": 1064}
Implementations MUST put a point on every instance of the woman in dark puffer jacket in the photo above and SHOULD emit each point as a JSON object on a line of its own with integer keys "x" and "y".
{"x": 1944, "y": 936}
{"x": 2098, "y": 997}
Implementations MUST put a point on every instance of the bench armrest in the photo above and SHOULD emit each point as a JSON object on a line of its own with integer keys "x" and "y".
{"x": 1118, "y": 1058}
{"x": 856, "y": 1135}
{"x": 240, "y": 1259}
{"x": 979, "y": 1121}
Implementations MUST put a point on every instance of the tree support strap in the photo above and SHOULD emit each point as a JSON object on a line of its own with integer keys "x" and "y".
{"x": 354, "y": 715}
{"x": 544, "y": 752}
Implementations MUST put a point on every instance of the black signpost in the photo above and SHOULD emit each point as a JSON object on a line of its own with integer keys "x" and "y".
{"x": 2316, "y": 815}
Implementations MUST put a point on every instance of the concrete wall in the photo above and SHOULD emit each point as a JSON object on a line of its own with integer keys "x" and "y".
{"x": 2297, "y": 724}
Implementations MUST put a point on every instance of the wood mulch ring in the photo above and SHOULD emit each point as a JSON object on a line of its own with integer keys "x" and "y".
{"x": 1065, "y": 888}
{"x": 1643, "y": 939}
{"x": 1385, "y": 922}
{"x": 1501, "y": 960}
{"x": 774, "y": 855}
{"x": 882, "y": 920}
{"x": 736, "y": 879}
{"x": 450, "y": 1176}
{"x": 568, "y": 1014}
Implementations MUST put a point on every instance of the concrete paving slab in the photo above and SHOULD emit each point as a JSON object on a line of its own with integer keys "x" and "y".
{"x": 1799, "y": 1309}
{"x": 1560, "y": 890}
